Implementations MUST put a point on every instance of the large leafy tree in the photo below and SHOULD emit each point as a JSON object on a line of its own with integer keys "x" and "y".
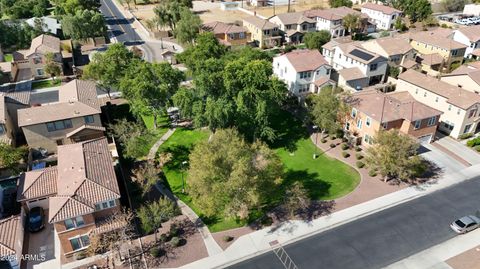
{"x": 153, "y": 214}
{"x": 315, "y": 40}
{"x": 394, "y": 155}
{"x": 16, "y": 35}
{"x": 10, "y": 157}
{"x": 84, "y": 24}
{"x": 229, "y": 176}
{"x": 71, "y": 7}
{"x": 188, "y": 26}
{"x": 149, "y": 87}
{"x": 108, "y": 68}
{"x": 23, "y": 9}
{"x": 340, "y": 3}
{"x": 327, "y": 110}
{"x": 416, "y": 10}
{"x": 51, "y": 67}
{"x": 168, "y": 13}
{"x": 352, "y": 22}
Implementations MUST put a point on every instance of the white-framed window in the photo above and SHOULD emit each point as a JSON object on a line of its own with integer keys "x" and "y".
{"x": 373, "y": 67}
{"x": 458, "y": 111}
{"x": 354, "y": 112}
{"x": 467, "y": 128}
{"x": 74, "y": 223}
{"x": 241, "y": 35}
{"x": 359, "y": 123}
{"x": 306, "y": 74}
{"x": 432, "y": 121}
{"x": 37, "y": 60}
{"x": 454, "y": 52}
{"x": 449, "y": 125}
{"x": 417, "y": 124}
{"x": 79, "y": 242}
{"x": 105, "y": 204}
{"x": 449, "y": 107}
{"x": 368, "y": 121}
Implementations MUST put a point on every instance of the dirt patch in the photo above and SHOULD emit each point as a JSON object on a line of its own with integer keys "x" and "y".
{"x": 234, "y": 233}
{"x": 295, "y": 6}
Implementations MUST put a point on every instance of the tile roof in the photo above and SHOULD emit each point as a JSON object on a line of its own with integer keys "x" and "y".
{"x": 85, "y": 127}
{"x": 382, "y": 8}
{"x": 80, "y": 90}
{"x": 44, "y": 44}
{"x": 260, "y": 23}
{"x": 86, "y": 177}
{"x": 38, "y": 183}
{"x": 352, "y": 73}
{"x": 455, "y": 95}
{"x": 305, "y": 60}
{"x": 332, "y": 14}
{"x": 293, "y": 18}
{"x": 218, "y": 27}
{"x": 471, "y": 32}
{"x": 431, "y": 59}
{"x": 439, "y": 38}
{"x": 383, "y": 107}
{"x": 470, "y": 71}
{"x": 322, "y": 81}
{"x": 348, "y": 49}
{"x": 390, "y": 45}
{"x": 11, "y": 231}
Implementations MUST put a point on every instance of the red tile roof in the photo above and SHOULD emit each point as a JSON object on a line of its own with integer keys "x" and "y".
{"x": 305, "y": 60}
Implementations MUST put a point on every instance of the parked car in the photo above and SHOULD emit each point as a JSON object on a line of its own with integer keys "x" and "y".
{"x": 36, "y": 219}
{"x": 465, "y": 224}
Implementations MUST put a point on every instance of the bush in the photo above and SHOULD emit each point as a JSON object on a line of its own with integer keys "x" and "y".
{"x": 175, "y": 242}
{"x": 332, "y": 145}
{"x": 345, "y": 146}
{"x": 358, "y": 149}
{"x": 360, "y": 164}
{"x": 333, "y": 137}
{"x": 345, "y": 154}
{"x": 359, "y": 156}
{"x": 372, "y": 173}
{"x": 323, "y": 140}
{"x": 473, "y": 142}
{"x": 227, "y": 238}
{"x": 344, "y": 139}
{"x": 477, "y": 148}
{"x": 173, "y": 230}
{"x": 80, "y": 255}
{"x": 339, "y": 133}
{"x": 444, "y": 25}
{"x": 155, "y": 252}
{"x": 465, "y": 136}
{"x": 165, "y": 238}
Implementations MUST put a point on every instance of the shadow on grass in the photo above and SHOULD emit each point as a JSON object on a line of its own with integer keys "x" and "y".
{"x": 180, "y": 154}
{"x": 289, "y": 131}
{"x": 316, "y": 188}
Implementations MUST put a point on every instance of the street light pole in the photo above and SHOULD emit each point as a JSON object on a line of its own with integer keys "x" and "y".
{"x": 183, "y": 178}
{"x": 315, "y": 128}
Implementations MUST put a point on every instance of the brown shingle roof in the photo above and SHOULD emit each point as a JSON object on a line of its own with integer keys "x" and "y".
{"x": 471, "y": 32}
{"x": 86, "y": 177}
{"x": 352, "y": 73}
{"x": 382, "y": 8}
{"x": 38, "y": 183}
{"x": 85, "y": 127}
{"x": 218, "y": 27}
{"x": 80, "y": 90}
{"x": 305, "y": 60}
{"x": 455, "y": 95}
{"x": 293, "y": 18}
{"x": 439, "y": 38}
{"x": 44, "y": 44}
{"x": 11, "y": 232}
{"x": 260, "y": 23}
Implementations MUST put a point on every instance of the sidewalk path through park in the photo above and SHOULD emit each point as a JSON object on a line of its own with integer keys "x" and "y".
{"x": 210, "y": 243}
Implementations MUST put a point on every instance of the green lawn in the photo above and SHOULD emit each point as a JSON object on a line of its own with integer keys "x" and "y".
{"x": 153, "y": 135}
{"x": 8, "y": 57}
{"x": 45, "y": 84}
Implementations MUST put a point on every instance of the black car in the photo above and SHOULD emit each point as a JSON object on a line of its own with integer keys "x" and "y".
{"x": 36, "y": 219}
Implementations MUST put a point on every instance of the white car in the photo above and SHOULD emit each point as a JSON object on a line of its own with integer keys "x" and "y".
{"x": 465, "y": 224}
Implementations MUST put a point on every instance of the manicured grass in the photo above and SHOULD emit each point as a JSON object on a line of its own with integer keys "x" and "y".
{"x": 45, "y": 84}
{"x": 152, "y": 134}
{"x": 8, "y": 57}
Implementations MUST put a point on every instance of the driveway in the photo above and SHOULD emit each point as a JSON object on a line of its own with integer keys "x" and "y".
{"x": 43, "y": 248}
{"x": 459, "y": 149}
{"x": 446, "y": 162}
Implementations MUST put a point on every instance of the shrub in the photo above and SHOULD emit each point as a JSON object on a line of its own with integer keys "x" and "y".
{"x": 345, "y": 154}
{"x": 227, "y": 238}
{"x": 339, "y": 133}
{"x": 444, "y": 25}
{"x": 358, "y": 149}
{"x": 345, "y": 146}
{"x": 175, "y": 242}
{"x": 332, "y": 145}
{"x": 473, "y": 142}
{"x": 344, "y": 139}
{"x": 359, "y": 156}
{"x": 323, "y": 140}
{"x": 333, "y": 137}
{"x": 165, "y": 237}
{"x": 155, "y": 252}
{"x": 80, "y": 255}
{"x": 173, "y": 230}
{"x": 413, "y": 26}
{"x": 477, "y": 148}
{"x": 465, "y": 136}
{"x": 360, "y": 164}
{"x": 372, "y": 173}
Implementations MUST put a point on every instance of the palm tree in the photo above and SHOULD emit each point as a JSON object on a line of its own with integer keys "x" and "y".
{"x": 352, "y": 22}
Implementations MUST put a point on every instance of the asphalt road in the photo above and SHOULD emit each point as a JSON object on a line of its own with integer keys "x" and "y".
{"x": 383, "y": 238}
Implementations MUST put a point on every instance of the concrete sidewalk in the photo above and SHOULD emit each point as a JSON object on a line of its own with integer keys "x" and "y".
{"x": 257, "y": 243}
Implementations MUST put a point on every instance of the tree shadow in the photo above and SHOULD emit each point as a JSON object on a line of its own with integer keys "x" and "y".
{"x": 289, "y": 130}
{"x": 314, "y": 185}
{"x": 180, "y": 154}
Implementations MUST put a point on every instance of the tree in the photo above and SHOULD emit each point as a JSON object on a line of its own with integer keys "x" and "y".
{"x": 188, "y": 26}
{"x": 430, "y": 21}
{"x": 393, "y": 71}
{"x": 23, "y": 9}
{"x": 184, "y": 99}
{"x": 169, "y": 13}
{"x": 315, "y": 40}
{"x": 454, "y": 5}
{"x": 84, "y": 24}
{"x": 352, "y": 22}
{"x": 230, "y": 177}
{"x": 325, "y": 110}
{"x": 108, "y": 68}
{"x": 394, "y": 155}
{"x": 400, "y": 25}
{"x": 153, "y": 214}
{"x": 416, "y": 10}
{"x": 340, "y": 3}
{"x": 71, "y": 7}
{"x": 51, "y": 67}
{"x": 10, "y": 157}
{"x": 123, "y": 130}
{"x": 149, "y": 87}
{"x": 147, "y": 175}
{"x": 296, "y": 198}
{"x": 17, "y": 35}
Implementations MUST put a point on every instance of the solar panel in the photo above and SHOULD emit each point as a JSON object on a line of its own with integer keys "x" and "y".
{"x": 362, "y": 55}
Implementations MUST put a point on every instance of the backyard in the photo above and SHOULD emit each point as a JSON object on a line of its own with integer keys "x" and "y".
{"x": 45, "y": 84}
{"x": 324, "y": 178}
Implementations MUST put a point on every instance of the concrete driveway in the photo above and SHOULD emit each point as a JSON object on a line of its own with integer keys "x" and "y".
{"x": 459, "y": 149}
{"x": 44, "y": 246}
{"x": 443, "y": 160}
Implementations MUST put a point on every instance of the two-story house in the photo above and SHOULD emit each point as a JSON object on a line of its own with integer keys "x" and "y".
{"x": 466, "y": 77}
{"x": 459, "y": 106}
{"x": 469, "y": 36}
{"x": 373, "y": 111}
{"x": 397, "y": 50}
{"x": 264, "y": 33}
{"x": 228, "y": 34}
{"x": 294, "y": 25}
{"x": 383, "y": 16}
{"x": 79, "y": 193}
{"x": 11, "y": 242}
{"x": 75, "y": 118}
{"x": 304, "y": 71}
{"x": 357, "y": 67}
{"x": 332, "y": 20}
{"x": 31, "y": 63}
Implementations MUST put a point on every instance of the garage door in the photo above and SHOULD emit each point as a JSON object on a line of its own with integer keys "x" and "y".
{"x": 425, "y": 139}
{"x": 41, "y": 203}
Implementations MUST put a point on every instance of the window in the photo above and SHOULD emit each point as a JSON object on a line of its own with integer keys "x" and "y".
{"x": 2, "y": 129}
{"x": 449, "y": 125}
{"x": 59, "y": 125}
{"x": 328, "y": 71}
{"x": 467, "y": 128}
{"x": 373, "y": 67}
{"x": 89, "y": 119}
{"x": 241, "y": 35}
{"x": 436, "y": 99}
{"x": 105, "y": 205}
{"x": 432, "y": 121}
{"x": 359, "y": 123}
{"x": 347, "y": 126}
{"x": 458, "y": 111}
{"x": 266, "y": 32}
{"x": 80, "y": 242}
{"x": 59, "y": 142}
{"x": 454, "y": 52}
{"x": 37, "y": 60}
{"x": 74, "y": 223}
{"x": 368, "y": 121}
{"x": 449, "y": 107}
{"x": 368, "y": 139}
{"x": 471, "y": 113}
{"x": 417, "y": 124}
{"x": 354, "y": 112}
{"x": 305, "y": 74}
{"x": 40, "y": 72}
{"x": 425, "y": 94}
{"x": 318, "y": 72}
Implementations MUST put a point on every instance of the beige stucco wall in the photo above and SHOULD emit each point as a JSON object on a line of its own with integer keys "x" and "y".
{"x": 38, "y": 136}
{"x": 9, "y": 129}
{"x": 423, "y": 48}
{"x": 41, "y": 64}
{"x": 464, "y": 81}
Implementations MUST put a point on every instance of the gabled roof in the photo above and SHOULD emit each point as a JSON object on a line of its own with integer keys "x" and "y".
{"x": 441, "y": 38}
{"x": 218, "y": 27}
{"x": 352, "y": 73}
{"x": 431, "y": 59}
{"x": 465, "y": 70}
{"x": 44, "y": 44}
{"x": 454, "y": 95}
{"x": 293, "y": 18}
{"x": 38, "y": 183}
{"x": 332, "y": 14}
{"x": 357, "y": 52}
{"x": 305, "y": 60}
{"x": 79, "y": 90}
{"x": 85, "y": 127}
{"x": 471, "y": 32}
{"x": 85, "y": 177}
{"x": 260, "y": 23}
{"x": 11, "y": 231}
{"x": 388, "y": 46}
{"x": 382, "y": 8}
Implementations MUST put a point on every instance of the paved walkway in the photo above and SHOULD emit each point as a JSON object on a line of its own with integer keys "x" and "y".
{"x": 154, "y": 148}
{"x": 288, "y": 232}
